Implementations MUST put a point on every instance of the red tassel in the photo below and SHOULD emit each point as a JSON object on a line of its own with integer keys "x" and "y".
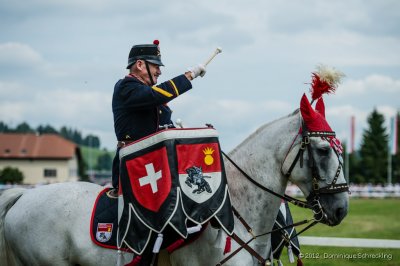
{"x": 156, "y": 42}
{"x": 299, "y": 262}
{"x": 177, "y": 244}
{"x": 135, "y": 261}
{"x": 228, "y": 245}
{"x": 319, "y": 87}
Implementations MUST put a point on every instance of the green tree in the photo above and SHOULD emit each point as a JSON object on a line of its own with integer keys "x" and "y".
{"x": 71, "y": 134}
{"x": 352, "y": 162}
{"x": 355, "y": 173}
{"x": 77, "y": 137}
{"x": 24, "y": 128}
{"x": 374, "y": 150}
{"x": 46, "y": 129}
{"x": 3, "y": 127}
{"x": 104, "y": 161}
{"x": 10, "y": 175}
{"x": 91, "y": 141}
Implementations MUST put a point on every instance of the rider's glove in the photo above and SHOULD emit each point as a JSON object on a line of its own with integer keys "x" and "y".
{"x": 198, "y": 70}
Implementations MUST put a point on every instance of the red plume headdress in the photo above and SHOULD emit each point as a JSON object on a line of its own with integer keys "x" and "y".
{"x": 324, "y": 80}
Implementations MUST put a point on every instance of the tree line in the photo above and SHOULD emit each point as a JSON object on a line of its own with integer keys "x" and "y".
{"x": 66, "y": 132}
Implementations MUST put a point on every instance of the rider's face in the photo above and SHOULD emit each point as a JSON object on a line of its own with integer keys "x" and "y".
{"x": 155, "y": 72}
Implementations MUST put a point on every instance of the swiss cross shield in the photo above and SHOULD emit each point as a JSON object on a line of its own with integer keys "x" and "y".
{"x": 150, "y": 178}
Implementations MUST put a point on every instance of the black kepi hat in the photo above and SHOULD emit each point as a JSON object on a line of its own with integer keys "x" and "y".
{"x": 148, "y": 52}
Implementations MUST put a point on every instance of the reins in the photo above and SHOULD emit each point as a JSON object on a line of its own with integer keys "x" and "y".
{"x": 297, "y": 202}
{"x": 254, "y": 253}
{"x": 245, "y": 245}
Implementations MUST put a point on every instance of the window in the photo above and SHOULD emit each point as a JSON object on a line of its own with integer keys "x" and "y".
{"x": 50, "y": 172}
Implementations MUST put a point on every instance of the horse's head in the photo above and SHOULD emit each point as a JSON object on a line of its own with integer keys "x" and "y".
{"x": 314, "y": 164}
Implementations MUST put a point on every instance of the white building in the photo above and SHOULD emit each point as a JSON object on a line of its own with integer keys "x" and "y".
{"x": 47, "y": 158}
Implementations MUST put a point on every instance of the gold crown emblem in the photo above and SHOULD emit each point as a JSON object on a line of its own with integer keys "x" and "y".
{"x": 208, "y": 159}
{"x": 208, "y": 151}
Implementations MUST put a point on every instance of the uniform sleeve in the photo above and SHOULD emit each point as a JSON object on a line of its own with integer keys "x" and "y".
{"x": 137, "y": 95}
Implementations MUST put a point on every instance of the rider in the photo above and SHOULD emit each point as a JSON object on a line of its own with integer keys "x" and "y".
{"x": 139, "y": 105}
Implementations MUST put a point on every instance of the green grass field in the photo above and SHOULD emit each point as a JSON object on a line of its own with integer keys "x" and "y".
{"x": 367, "y": 218}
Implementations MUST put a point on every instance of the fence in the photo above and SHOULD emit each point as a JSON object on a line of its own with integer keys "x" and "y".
{"x": 359, "y": 191}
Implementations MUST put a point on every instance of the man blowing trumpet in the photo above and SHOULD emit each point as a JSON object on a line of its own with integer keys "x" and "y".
{"x": 139, "y": 105}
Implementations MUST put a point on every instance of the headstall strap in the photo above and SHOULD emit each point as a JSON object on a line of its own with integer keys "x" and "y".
{"x": 304, "y": 145}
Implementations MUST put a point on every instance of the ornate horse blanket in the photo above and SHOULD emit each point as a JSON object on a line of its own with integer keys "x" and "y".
{"x": 168, "y": 179}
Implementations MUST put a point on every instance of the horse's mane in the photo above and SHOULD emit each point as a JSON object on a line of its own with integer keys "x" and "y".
{"x": 263, "y": 127}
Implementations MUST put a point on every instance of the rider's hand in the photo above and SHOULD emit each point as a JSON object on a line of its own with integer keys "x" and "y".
{"x": 198, "y": 70}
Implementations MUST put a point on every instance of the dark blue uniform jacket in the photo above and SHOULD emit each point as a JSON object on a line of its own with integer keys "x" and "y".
{"x": 139, "y": 109}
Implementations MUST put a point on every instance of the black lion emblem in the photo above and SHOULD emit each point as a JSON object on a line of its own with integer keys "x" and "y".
{"x": 196, "y": 177}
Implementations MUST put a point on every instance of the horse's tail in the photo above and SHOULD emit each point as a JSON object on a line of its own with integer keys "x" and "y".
{"x": 7, "y": 200}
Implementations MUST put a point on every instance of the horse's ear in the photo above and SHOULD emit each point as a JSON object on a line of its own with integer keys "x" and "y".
{"x": 307, "y": 112}
{"x": 320, "y": 106}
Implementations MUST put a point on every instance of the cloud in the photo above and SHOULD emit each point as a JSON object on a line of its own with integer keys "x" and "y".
{"x": 18, "y": 59}
{"x": 12, "y": 91}
{"x": 86, "y": 109}
{"x": 369, "y": 84}
{"x": 382, "y": 83}
{"x": 387, "y": 110}
{"x": 14, "y": 54}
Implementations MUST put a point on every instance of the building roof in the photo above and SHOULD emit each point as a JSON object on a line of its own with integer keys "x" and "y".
{"x": 33, "y": 146}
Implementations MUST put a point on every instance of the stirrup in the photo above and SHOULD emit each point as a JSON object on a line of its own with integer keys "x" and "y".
{"x": 113, "y": 193}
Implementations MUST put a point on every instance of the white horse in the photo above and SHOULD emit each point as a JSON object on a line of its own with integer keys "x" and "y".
{"x": 49, "y": 225}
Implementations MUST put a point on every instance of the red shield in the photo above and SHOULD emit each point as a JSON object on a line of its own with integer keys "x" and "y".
{"x": 150, "y": 178}
{"x": 204, "y": 155}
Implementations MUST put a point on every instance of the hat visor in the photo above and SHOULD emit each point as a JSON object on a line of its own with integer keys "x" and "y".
{"x": 154, "y": 61}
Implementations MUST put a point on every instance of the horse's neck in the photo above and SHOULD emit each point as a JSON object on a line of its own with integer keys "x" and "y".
{"x": 261, "y": 156}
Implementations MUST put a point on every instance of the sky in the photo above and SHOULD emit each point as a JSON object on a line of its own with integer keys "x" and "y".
{"x": 60, "y": 60}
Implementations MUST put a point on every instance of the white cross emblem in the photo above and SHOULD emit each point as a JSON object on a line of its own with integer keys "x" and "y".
{"x": 151, "y": 178}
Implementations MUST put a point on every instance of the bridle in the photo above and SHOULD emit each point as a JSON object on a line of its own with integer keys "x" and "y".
{"x": 313, "y": 199}
{"x": 332, "y": 188}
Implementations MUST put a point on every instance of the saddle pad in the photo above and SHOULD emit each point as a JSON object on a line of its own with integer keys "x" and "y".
{"x": 104, "y": 226}
{"x": 104, "y": 222}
